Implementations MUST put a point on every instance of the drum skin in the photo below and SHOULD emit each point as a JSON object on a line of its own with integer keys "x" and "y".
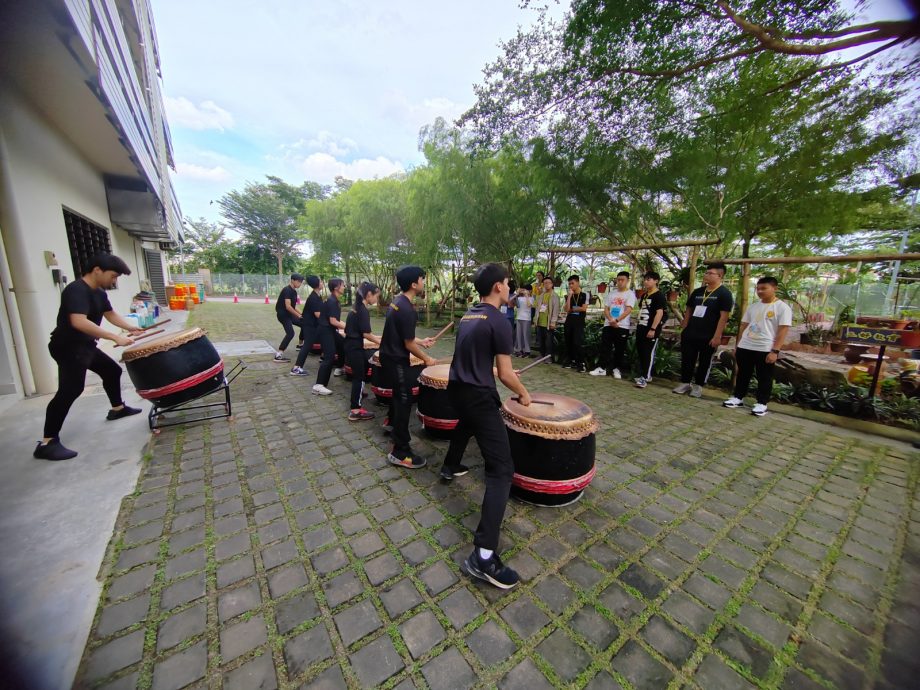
{"x": 383, "y": 387}
{"x": 553, "y": 448}
{"x": 435, "y": 411}
{"x": 174, "y": 368}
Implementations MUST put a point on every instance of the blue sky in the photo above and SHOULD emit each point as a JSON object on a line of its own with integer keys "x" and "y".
{"x": 308, "y": 90}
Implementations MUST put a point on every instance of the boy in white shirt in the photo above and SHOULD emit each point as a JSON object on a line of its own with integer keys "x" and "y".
{"x": 524, "y": 302}
{"x": 761, "y": 336}
{"x": 618, "y": 304}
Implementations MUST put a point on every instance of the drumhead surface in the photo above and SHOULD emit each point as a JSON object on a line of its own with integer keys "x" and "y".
{"x": 566, "y": 418}
{"x": 164, "y": 342}
{"x": 435, "y": 376}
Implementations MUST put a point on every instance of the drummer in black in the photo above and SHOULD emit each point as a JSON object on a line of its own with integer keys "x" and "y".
{"x": 73, "y": 346}
{"x": 396, "y": 343}
{"x": 309, "y": 324}
{"x": 288, "y": 316}
{"x": 357, "y": 330}
{"x": 484, "y": 336}
{"x": 331, "y": 335}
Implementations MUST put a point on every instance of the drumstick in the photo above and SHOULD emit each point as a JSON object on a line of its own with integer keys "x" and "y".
{"x": 443, "y": 360}
{"x": 539, "y": 402}
{"x": 443, "y": 331}
{"x": 147, "y": 335}
{"x": 154, "y": 325}
{"x": 533, "y": 364}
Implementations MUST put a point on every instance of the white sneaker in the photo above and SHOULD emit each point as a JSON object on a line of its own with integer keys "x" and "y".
{"x": 641, "y": 382}
{"x": 320, "y": 389}
{"x": 682, "y": 388}
{"x": 732, "y": 402}
{"x": 600, "y": 371}
{"x": 616, "y": 374}
{"x": 297, "y": 371}
{"x": 696, "y": 391}
{"x": 336, "y": 372}
{"x": 759, "y": 410}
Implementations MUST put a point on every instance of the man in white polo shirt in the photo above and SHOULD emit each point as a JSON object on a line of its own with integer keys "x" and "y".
{"x": 761, "y": 336}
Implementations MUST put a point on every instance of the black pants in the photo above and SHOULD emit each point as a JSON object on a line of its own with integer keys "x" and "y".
{"x": 73, "y": 363}
{"x": 357, "y": 360}
{"x": 545, "y": 340}
{"x": 645, "y": 351}
{"x": 333, "y": 346}
{"x": 748, "y": 361}
{"x": 308, "y": 335}
{"x": 613, "y": 348}
{"x": 478, "y": 412}
{"x": 400, "y": 377}
{"x": 575, "y": 340}
{"x": 695, "y": 359}
{"x": 288, "y": 321}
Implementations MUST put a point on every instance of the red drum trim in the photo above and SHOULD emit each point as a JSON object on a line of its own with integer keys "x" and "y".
{"x": 551, "y": 486}
{"x": 435, "y": 423}
{"x": 193, "y": 380}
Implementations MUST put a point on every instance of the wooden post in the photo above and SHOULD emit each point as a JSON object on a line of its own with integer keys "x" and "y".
{"x": 453, "y": 291}
{"x": 691, "y": 279}
{"x": 745, "y": 287}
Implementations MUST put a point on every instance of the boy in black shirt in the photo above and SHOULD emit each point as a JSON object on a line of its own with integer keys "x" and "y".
{"x": 484, "y": 338}
{"x": 708, "y": 309}
{"x": 288, "y": 316}
{"x": 652, "y": 309}
{"x": 73, "y": 346}
{"x": 397, "y": 341}
{"x": 357, "y": 329}
{"x": 309, "y": 324}
{"x": 330, "y": 323}
{"x": 576, "y": 307}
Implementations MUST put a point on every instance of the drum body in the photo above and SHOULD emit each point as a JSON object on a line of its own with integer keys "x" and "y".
{"x": 349, "y": 374}
{"x": 553, "y": 448}
{"x": 174, "y": 368}
{"x": 435, "y": 412}
{"x": 383, "y": 387}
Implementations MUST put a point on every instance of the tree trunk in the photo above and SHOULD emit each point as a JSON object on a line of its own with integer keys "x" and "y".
{"x": 279, "y": 256}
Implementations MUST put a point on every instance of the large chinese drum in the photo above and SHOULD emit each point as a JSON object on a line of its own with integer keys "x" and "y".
{"x": 552, "y": 447}
{"x": 368, "y": 345}
{"x": 174, "y": 368}
{"x": 435, "y": 411}
{"x": 383, "y": 387}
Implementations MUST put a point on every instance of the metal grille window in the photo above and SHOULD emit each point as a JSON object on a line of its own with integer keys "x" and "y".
{"x": 85, "y": 238}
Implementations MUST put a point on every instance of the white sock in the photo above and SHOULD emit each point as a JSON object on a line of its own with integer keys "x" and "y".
{"x": 485, "y": 554}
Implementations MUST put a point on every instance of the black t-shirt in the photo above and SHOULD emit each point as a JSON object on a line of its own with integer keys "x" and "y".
{"x": 577, "y": 301}
{"x": 287, "y": 292}
{"x": 649, "y": 306}
{"x": 397, "y": 329}
{"x": 79, "y": 298}
{"x": 356, "y": 325}
{"x": 331, "y": 308}
{"x": 704, "y": 327}
{"x": 483, "y": 333}
{"x": 314, "y": 304}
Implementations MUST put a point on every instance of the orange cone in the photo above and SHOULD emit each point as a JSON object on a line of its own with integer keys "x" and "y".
{"x": 236, "y": 300}
{"x": 266, "y": 299}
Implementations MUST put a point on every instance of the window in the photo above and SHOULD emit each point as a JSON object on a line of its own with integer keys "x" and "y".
{"x": 85, "y": 238}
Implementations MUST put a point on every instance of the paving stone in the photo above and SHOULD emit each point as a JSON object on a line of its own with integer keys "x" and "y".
{"x": 229, "y": 525}
{"x": 603, "y": 681}
{"x": 796, "y": 680}
{"x": 582, "y": 574}
{"x": 329, "y": 561}
{"x": 127, "y": 682}
{"x": 182, "y": 668}
{"x": 183, "y": 591}
{"x": 401, "y": 597}
{"x": 448, "y": 536}
{"x": 777, "y": 601}
{"x": 234, "y": 571}
{"x": 130, "y": 558}
{"x": 114, "y": 655}
{"x": 555, "y": 593}
{"x": 150, "y": 530}
{"x": 382, "y": 568}
{"x": 449, "y": 671}
{"x": 132, "y": 582}
{"x": 286, "y": 579}
{"x": 416, "y": 552}
{"x": 715, "y": 674}
{"x": 186, "y": 563}
{"x": 421, "y": 633}
{"x": 713, "y": 595}
{"x": 594, "y": 627}
{"x": 240, "y": 638}
{"x": 258, "y": 674}
{"x": 437, "y": 577}
{"x": 232, "y": 546}
{"x": 640, "y": 668}
{"x": 642, "y": 580}
{"x": 354, "y": 524}
{"x": 376, "y": 662}
{"x": 188, "y": 623}
{"x": 357, "y": 621}
{"x": 385, "y": 512}
{"x": 122, "y": 615}
{"x": 429, "y": 517}
{"x": 566, "y": 657}
{"x": 620, "y": 602}
{"x": 850, "y": 612}
{"x": 279, "y": 554}
{"x": 341, "y": 588}
{"x": 769, "y": 628}
{"x": 330, "y": 679}
{"x": 400, "y": 530}
{"x": 744, "y": 650}
{"x": 307, "y": 648}
{"x": 232, "y": 603}
{"x": 668, "y": 641}
{"x": 490, "y": 643}
{"x": 687, "y": 612}
{"x": 460, "y": 607}
{"x": 524, "y": 617}
{"x": 292, "y": 612}
{"x": 846, "y": 642}
{"x": 526, "y": 565}
{"x": 525, "y": 676}
{"x": 549, "y": 549}
{"x": 839, "y": 672}
{"x": 309, "y": 518}
{"x": 366, "y": 544}
{"x": 665, "y": 563}
{"x": 316, "y": 539}
{"x": 725, "y": 572}
{"x": 609, "y": 558}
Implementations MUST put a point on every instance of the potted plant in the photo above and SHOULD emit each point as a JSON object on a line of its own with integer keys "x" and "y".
{"x": 601, "y": 288}
{"x": 671, "y": 289}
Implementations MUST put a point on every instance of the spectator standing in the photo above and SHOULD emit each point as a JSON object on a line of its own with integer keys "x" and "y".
{"x": 652, "y": 310}
{"x": 618, "y": 305}
{"x": 522, "y": 324}
{"x": 547, "y": 313}
{"x": 576, "y": 308}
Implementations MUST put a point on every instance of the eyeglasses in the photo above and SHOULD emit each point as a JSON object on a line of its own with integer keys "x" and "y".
{"x": 711, "y": 273}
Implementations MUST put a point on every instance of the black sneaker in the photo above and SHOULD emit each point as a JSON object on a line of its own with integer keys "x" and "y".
{"x": 53, "y": 450}
{"x": 448, "y": 473}
{"x": 281, "y": 358}
{"x": 123, "y": 412}
{"x": 408, "y": 460}
{"x": 492, "y": 571}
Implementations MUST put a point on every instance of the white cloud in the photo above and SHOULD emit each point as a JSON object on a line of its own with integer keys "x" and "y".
{"x": 207, "y": 115}
{"x": 200, "y": 172}
{"x": 323, "y": 167}
{"x": 323, "y": 142}
{"x": 416, "y": 114}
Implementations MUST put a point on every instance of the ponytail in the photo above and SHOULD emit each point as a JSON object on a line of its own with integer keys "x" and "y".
{"x": 366, "y": 288}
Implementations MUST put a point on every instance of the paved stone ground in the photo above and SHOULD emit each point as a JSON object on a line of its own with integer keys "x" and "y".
{"x": 713, "y": 550}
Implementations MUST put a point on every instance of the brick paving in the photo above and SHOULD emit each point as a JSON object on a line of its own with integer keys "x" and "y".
{"x": 713, "y": 550}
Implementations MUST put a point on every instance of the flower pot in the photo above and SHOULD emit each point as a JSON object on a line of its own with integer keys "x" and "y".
{"x": 910, "y": 339}
{"x": 837, "y": 346}
{"x": 640, "y": 292}
{"x": 601, "y": 288}
{"x": 892, "y": 322}
{"x": 853, "y": 353}
{"x": 672, "y": 295}
{"x": 726, "y": 339}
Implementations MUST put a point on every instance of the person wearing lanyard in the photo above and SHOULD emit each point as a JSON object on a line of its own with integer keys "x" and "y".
{"x": 547, "y": 314}
{"x": 309, "y": 324}
{"x": 652, "y": 310}
{"x": 760, "y": 337}
{"x": 708, "y": 309}
{"x": 576, "y": 306}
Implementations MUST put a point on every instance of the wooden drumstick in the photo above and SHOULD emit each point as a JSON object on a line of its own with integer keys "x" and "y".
{"x": 154, "y": 325}
{"x": 147, "y": 335}
{"x": 533, "y": 364}
{"x": 539, "y": 402}
{"x": 443, "y": 331}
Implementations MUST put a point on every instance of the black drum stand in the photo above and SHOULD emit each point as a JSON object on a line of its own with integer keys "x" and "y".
{"x": 178, "y": 412}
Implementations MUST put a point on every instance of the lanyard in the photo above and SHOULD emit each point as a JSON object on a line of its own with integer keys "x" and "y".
{"x": 644, "y": 301}
{"x": 707, "y": 295}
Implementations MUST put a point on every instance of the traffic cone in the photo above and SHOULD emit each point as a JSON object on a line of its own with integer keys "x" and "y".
{"x": 266, "y": 299}
{"x": 236, "y": 300}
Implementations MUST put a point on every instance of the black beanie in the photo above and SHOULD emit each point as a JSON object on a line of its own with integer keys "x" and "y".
{"x": 486, "y": 276}
{"x": 407, "y": 275}
{"x": 313, "y": 282}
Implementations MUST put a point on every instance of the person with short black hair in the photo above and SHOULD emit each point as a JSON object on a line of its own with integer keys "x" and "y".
{"x": 357, "y": 330}
{"x": 619, "y": 304}
{"x": 760, "y": 338}
{"x": 547, "y": 313}
{"x": 73, "y": 346}
{"x": 576, "y": 307}
{"x": 331, "y": 335}
{"x": 524, "y": 303}
{"x": 708, "y": 309}
{"x": 287, "y": 314}
{"x": 484, "y": 340}
{"x": 309, "y": 324}
{"x": 653, "y": 308}
{"x": 397, "y": 342}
